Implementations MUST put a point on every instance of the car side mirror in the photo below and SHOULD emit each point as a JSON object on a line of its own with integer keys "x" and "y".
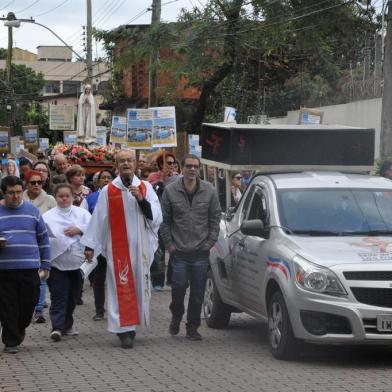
{"x": 254, "y": 227}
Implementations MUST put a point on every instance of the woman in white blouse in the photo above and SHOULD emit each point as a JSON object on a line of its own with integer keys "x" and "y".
{"x": 66, "y": 225}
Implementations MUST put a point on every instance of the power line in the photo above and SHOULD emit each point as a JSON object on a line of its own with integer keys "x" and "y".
{"x": 271, "y": 19}
{"x": 7, "y": 5}
{"x": 115, "y": 9}
{"x": 52, "y": 9}
{"x": 282, "y": 21}
{"x": 170, "y": 2}
{"x": 107, "y": 7}
{"x": 103, "y": 10}
{"x": 28, "y": 7}
{"x": 73, "y": 38}
{"x": 137, "y": 16}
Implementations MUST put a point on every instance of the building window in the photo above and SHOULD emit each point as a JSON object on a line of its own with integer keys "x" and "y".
{"x": 71, "y": 87}
{"x": 52, "y": 87}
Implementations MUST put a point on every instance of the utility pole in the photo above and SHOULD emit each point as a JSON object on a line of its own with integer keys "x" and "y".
{"x": 9, "y": 55}
{"x": 378, "y": 56}
{"x": 10, "y": 103}
{"x": 153, "y": 72}
{"x": 10, "y": 22}
{"x": 89, "y": 46}
{"x": 386, "y": 115}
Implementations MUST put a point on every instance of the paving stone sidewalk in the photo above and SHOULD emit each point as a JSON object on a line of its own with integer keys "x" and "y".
{"x": 231, "y": 360}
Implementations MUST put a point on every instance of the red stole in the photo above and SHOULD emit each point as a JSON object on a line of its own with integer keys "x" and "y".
{"x": 125, "y": 284}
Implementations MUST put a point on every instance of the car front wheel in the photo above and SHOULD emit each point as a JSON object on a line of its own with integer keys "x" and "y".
{"x": 216, "y": 313}
{"x": 282, "y": 342}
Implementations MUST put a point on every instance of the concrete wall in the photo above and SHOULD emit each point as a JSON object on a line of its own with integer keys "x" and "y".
{"x": 23, "y": 55}
{"x": 46, "y": 53}
{"x": 366, "y": 113}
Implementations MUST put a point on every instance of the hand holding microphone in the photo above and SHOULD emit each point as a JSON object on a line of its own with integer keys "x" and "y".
{"x": 135, "y": 191}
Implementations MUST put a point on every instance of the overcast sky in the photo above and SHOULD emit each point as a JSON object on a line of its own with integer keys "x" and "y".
{"x": 67, "y": 20}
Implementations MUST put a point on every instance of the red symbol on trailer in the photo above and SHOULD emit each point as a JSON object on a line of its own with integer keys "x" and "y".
{"x": 242, "y": 143}
{"x": 357, "y": 147}
{"x": 215, "y": 142}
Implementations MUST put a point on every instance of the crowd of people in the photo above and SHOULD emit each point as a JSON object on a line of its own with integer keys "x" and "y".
{"x": 54, "y": 219}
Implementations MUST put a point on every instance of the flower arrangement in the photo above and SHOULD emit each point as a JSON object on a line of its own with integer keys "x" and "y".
{"x": 79, "y": 154}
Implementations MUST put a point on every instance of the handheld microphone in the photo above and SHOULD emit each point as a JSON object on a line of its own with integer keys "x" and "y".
{"x": 126, "y": 181}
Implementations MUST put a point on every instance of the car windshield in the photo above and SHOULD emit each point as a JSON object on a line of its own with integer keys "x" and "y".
{"x": 336, "y": 211}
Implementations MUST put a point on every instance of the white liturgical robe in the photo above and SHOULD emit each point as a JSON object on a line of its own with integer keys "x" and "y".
{"x": 142, "y": 235}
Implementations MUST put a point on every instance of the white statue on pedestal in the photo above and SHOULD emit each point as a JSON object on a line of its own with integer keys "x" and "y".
{"x": 86, "y": 122}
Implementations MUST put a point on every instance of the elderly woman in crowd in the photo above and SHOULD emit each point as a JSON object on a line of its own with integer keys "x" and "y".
{"x": 44, "y": 202}
{"x": 166, "y": 174}
{"x": 67, "y": 223}
{"x": 76, "y": 176}
{"x": 11, "y": 168}
{"x": 43, "y": 168}
{"x": 34, "y": 192}
{"x": 104, "y": 177}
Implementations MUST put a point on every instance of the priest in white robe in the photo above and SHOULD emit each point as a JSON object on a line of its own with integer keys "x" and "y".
{"x": 124, "y": 228}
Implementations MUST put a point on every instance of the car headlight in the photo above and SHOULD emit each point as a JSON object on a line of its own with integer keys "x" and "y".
{"x": 314, "y": 278}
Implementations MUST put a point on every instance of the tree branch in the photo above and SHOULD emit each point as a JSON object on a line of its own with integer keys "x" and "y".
{"x": 229, "y": 53}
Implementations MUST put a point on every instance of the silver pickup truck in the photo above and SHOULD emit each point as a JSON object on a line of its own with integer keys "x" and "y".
{"x": 311, "y": 254}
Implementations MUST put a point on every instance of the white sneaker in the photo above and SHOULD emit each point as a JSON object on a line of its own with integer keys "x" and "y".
{"x": 71, "y": 332}
{"x": 55, "y": 335}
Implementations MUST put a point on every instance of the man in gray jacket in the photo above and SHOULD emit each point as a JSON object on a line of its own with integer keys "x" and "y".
{"x": 191, "y": 216}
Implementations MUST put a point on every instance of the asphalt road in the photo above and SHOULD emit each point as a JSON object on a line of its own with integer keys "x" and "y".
{"x": 235, "y": 359}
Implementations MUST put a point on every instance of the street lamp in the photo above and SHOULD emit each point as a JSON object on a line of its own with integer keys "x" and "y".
{"x": 11, "y": 21}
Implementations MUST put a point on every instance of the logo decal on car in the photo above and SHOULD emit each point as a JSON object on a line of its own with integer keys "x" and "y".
{"x": 374, "y": 244}
{"x": 282, "y": 265}
{"x": 378, "y": 249}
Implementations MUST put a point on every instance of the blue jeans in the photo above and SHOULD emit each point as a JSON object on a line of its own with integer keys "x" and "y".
{"x": 39, "y": 308}
{"x": 64, "y": 287}
{"x": 192, "y": 273}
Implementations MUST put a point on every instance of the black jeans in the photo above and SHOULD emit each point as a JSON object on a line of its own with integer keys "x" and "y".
{"x": 64, "y": 287}
{"x": 99, "y": 277}
{"x": 19, "y": 293}
{"x": 158, "y": 266}
{"x": 192, "y": 273}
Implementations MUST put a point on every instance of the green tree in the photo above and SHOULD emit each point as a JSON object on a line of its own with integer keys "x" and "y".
{"x": 25, "y": 88}
{"x": 267, "y": 56}
{"x": 3, "y": 54}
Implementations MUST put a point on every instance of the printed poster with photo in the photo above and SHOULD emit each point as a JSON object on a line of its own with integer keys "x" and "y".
{"x": 164, "y": 132}
{"x": 118, "y": 132}
{"x": 310, "y": 116}
{"x": 44, "y": 143}
{"x": 140, "y": 122}
{"x": 194, "y": 146}
{"x": 101, "y": 135}
{"x": 30, "y": 136}
{"x": 20, "y": 146}
{"x": 70, "y": 137}
{"x": 4, "y": 139}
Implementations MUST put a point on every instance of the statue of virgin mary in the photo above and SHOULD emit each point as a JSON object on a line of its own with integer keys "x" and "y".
{"x": 86, "y": 121}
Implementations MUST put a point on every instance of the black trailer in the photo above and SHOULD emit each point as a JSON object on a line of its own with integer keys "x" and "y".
{"x": 281, "y": 148}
